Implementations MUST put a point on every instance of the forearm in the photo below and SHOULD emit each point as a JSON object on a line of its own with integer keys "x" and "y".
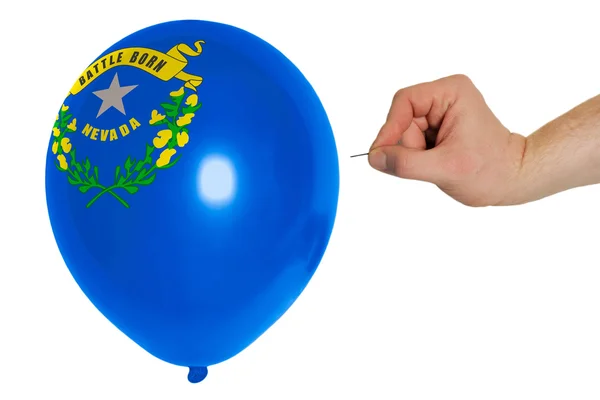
{"x": 562, "y": 155}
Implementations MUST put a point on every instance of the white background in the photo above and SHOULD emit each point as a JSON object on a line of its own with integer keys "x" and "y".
{"x": 417, "y": 297}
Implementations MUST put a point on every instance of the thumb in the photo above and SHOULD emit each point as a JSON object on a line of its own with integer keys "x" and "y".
{"x": 407, "y": 163}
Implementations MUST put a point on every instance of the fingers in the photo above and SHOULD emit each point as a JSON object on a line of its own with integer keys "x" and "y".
{"x": 422, "y": 105}
{"x": 407, "y": 163}
{"x": 413, "y": 137}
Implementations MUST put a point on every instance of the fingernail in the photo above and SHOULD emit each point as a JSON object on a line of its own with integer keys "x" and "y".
{"x": 378, "y": 160}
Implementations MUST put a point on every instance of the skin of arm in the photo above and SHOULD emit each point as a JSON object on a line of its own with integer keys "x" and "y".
{"x": 562, "y": 155}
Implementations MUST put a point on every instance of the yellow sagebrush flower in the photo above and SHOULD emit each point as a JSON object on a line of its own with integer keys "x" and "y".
{"x": 162, "y": 138}
{"x": 62, "y": 162}
{"x": 55, "y": 147}
{"x": 56, "y": 132}
{"x": 177, "y": 93}
{"x": 73, "y": 125}
{"x": 182, "y": 139}
{"x": 65, "y": 144}
{"x": 156, "y": 117}
{"x": 64, "y": 108}
{"x": 165, "y": 157}
{"x": 185, "y": 119}
{"x": 192, "y": 100}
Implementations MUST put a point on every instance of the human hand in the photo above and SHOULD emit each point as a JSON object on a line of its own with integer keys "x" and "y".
{"x": 444, "y": 133}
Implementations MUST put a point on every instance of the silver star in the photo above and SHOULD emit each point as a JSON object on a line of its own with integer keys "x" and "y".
{"x": 113, "y": 96}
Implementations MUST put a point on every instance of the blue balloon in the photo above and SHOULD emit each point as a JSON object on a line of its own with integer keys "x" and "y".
{"x": 192, "y": 184}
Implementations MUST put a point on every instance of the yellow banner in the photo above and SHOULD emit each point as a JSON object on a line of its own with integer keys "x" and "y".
{"x": 163, "y": 66}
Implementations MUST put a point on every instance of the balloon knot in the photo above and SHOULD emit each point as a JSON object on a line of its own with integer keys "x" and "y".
{"x": 197, "y": 374}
